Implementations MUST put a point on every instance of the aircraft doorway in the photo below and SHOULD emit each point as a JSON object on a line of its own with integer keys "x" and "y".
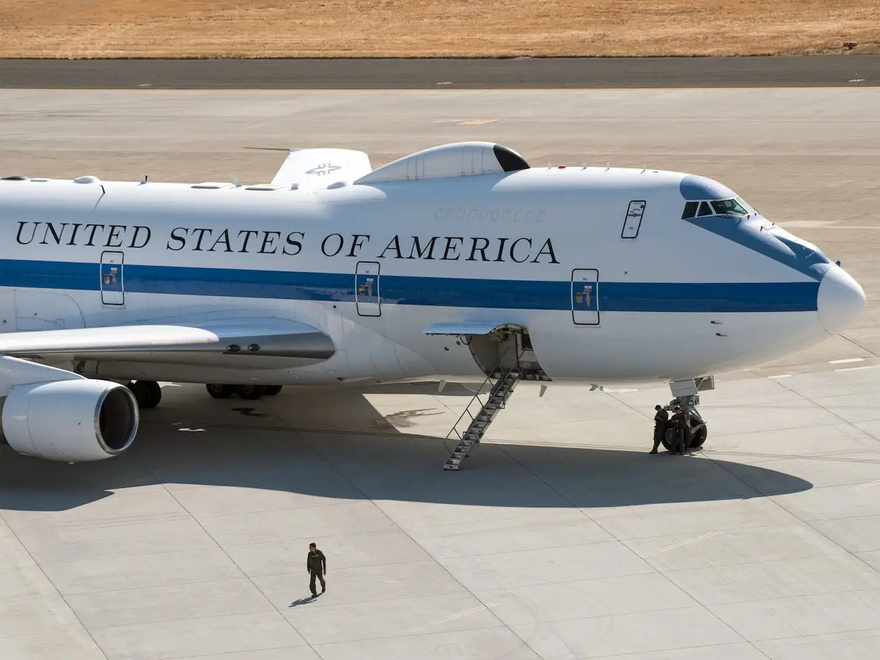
{"x": 585, "y": 296}
{"x": 506, "y": 348}
{"x": 112, "y": 290}
{"x": 366, "y": 289}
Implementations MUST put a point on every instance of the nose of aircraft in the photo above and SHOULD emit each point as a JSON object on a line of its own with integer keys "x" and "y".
{"x": 840, "y": 301}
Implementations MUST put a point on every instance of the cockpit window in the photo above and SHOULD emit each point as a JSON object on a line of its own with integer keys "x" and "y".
{"x": 735, "y": 207}
{"x": 730, "y": 207}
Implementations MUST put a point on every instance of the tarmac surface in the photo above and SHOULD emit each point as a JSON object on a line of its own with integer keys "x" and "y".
{"x": 562, "y": 538}
{"x": 520, "y": 72}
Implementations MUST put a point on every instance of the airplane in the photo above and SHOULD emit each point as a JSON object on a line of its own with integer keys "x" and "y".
{"x": 457, "y": 263}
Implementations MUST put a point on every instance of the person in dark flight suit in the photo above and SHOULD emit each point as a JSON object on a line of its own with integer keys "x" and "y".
{"x": 316, "y": 565}
{"x": 661, "y": 420}
{"x": 682, "y": 431}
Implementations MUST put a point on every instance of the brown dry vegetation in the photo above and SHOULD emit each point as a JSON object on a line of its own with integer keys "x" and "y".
{"x": 429, "y": 28}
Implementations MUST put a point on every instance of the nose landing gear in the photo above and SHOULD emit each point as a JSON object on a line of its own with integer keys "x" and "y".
{"x": 687, "y": 428}
{"x": 694, "y": 429}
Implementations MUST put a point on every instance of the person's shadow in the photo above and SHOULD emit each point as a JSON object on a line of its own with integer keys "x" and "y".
{"x": 304, "y": 601}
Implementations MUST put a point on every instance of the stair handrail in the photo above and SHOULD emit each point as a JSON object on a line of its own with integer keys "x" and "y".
{"x": 476, "y": 396}
{"x": 467, "y": 409}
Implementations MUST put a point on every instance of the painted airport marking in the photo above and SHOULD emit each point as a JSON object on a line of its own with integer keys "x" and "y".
{"x": 821, "y": 224}
{"x": 681, "y": 544}
{"x": 452, "y": 617}
{"x": 871, "y": 366}
{"x": 477, "y": 122}
{"x": 777, "y": 377}
{"x": 864, "y": 486}
{"x": 846, "y": 360}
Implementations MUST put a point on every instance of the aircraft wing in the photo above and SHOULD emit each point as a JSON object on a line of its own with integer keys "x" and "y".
{"x": 316, "y": 169}
{"x": 177, "y": 342}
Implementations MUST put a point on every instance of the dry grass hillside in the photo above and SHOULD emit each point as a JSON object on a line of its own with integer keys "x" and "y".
{"x": 427, "y": 28}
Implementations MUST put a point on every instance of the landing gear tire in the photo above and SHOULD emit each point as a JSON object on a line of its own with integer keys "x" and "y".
{"x": 147, "y": 393}
{"x": 219, "y": 391}
{"x": 250, "y": 392}
{"x": 698, "y": 437}
{"x": 670, "y": 440}
{"x": 272, "y": 390}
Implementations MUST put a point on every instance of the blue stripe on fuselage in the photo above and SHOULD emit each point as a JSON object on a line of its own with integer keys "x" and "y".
{"x": 408, "y": 290}
{"x": 749, "y": 234}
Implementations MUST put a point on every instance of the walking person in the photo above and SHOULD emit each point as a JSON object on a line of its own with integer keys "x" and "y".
{"x": 316, "y": 565}
{"x": 661, "y": 420}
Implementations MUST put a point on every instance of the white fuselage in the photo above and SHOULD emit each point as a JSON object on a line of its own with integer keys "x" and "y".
{"x": 676, "y": 300}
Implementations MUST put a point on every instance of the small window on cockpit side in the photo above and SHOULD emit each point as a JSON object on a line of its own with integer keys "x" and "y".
{"x": 690, "y": 210}
{"x": 705, "y": 209}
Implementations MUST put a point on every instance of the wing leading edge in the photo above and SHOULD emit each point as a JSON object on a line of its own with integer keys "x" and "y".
{"x": 274, "y": 338}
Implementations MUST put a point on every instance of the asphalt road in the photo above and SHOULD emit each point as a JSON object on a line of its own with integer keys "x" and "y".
{"x": 586, "y": 73}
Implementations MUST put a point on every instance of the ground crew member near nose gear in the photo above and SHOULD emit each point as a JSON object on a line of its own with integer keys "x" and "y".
{"x": 682, "y": 432}
{"x": 316, "y": 565}
{"x": 661, "y": 420}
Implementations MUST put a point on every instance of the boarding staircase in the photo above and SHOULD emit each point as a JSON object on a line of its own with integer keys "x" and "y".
{"x": 475, "y": 425}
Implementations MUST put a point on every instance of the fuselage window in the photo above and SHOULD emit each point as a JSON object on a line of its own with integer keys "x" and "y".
{"x": 705, "y": 209}
{"x": 690, "y": 210}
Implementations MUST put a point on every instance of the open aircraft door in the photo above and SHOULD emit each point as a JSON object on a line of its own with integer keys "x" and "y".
{"x": 366, "y": 289}
{"x": 112, "y": 290}
{"x": 585, "y": 296}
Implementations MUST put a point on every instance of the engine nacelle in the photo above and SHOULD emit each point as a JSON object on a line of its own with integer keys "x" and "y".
{"x": 70, "y": 420}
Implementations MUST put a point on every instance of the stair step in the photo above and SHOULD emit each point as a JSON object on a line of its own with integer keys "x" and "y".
{"x": 498, "y": 395}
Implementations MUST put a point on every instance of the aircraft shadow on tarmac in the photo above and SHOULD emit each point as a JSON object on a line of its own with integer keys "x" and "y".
{"x": 340, "y": 460}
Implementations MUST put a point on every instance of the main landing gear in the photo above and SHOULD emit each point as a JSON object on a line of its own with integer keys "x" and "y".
{"x": 147, "y": 393}
{"x": 248, "y": 392}
{"x": 686, "y": 397}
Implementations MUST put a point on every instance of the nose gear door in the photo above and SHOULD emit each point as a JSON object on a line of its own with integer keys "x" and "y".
{"x": 366, "y": 289}
{"x": 585, "y": 296}
{"x": 112, "y": 290}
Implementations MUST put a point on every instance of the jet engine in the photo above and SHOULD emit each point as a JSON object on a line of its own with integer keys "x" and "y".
{"x": 69, "y": 420}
